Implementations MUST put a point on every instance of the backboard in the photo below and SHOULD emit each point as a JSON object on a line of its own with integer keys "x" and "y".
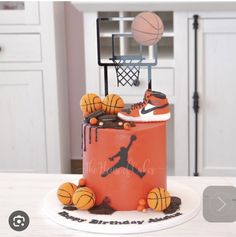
{"x": 120, "y": 44}
{"x": 121, "y": 51}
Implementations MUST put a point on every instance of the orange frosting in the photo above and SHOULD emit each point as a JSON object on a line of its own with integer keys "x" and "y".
{"x": 144, "y": 151}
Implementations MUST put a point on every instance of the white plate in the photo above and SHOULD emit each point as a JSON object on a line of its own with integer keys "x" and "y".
{"x": 117, "y": 222}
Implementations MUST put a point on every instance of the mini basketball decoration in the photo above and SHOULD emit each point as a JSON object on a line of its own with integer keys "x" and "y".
{"x": 65, "y": 193}
{"x": 147, "y": 28}
{"x": 158, "y": 199}
{"x": 82, "y": 182}
{"x": 93, "y": 121}
{"x": 127, "y": 126}
{"x": 141, "y": 204}
{"x": 140, "y": 208}
{"x": 90, "y": 103}
{"x": 112, "y": 104}
{"x": 83, "y": 198}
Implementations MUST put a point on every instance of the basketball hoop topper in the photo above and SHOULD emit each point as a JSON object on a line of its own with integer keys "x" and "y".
{"x": 147, "y": 29}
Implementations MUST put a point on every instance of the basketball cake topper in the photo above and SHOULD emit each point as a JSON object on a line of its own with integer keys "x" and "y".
{"x": 147, "y": 28}
{"x": 123, "y": 147}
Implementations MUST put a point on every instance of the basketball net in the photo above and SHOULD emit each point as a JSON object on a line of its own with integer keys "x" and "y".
{"x": 127, "y": 71}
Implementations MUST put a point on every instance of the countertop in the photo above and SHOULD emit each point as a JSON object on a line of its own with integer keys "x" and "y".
{"x": 26, "y": 192}
{"x": 154, "y": 5}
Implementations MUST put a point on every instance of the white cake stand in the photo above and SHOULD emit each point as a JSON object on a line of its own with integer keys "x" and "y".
{"x": 126, "y": 222}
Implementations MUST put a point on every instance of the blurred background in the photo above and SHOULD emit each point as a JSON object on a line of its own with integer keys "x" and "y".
{"x": 48, "y": 60}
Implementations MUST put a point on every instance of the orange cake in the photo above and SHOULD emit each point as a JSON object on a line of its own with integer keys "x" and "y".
{"x": 124, "y": 146}
{"x": 124, "y": 165}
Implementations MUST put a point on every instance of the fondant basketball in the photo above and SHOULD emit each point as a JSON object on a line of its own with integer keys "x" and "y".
{"x": 65, "y": 193}
{"x": 147, "y": 28}
{"x": 112, "y": 104}
{"x": 90, "y": 103}
{"x": 84, "y": 198}
{"x": 158, "y": 199}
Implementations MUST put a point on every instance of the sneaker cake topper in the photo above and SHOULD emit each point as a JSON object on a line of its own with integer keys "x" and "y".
{"x": 124, "y": 148}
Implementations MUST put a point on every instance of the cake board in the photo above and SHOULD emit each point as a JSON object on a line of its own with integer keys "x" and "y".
{"x": 125, "y": 222}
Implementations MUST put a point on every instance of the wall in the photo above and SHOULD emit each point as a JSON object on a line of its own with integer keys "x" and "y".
{"x": 76, "y": 74}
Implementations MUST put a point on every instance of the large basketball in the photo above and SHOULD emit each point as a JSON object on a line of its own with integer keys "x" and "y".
{"x": 84, "y": 198}
{"x": 158, "y": 199}
{"x": 147, "y": 28}
{"x": 90, "y": 103}
{"x": 112, "y": 104}
{"x": 65, "y": 193}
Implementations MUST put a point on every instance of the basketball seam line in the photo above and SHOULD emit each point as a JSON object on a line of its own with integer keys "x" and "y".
{"x": 111, "y": 101}
{"x": 88, "y": 202}
{"x": 157, "y": 37}
{"x": 92, "y": 103}
{"x": 105, "y": 110}
{"x": 73, "y": 190}
{"x": 148, "y": 22}
{"x": 86, "y": 105}
{"x": 157, "y": 22}
{"x": 119, "y": 107}
{"x": 161, "y": 196}
{"x": 156, "y": 199}
{"x": 117, "y": 99}
{"x": 145, "y": 32}
{"x": 60, "y": 195}
{"x": 78, "y": 191}
{"x": 65, "y": 191}
{"x": 91, "y": 198}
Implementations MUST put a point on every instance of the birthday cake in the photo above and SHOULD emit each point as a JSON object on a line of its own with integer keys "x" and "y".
{"x": 124, "y": 147}
{"x": 124, "y": 160}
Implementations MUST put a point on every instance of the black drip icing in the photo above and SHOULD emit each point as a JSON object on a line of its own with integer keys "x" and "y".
{"x": 96, "y": 134}
{"x": 84, "y": 134}
{"x": 90, "y": 131}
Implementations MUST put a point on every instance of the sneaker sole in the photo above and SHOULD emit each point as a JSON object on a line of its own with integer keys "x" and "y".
{"x": 151, "y": 118}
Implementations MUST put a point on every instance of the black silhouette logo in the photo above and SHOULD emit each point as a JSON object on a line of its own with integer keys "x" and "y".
{"x": 145, "y": 111}
{"x": 123, "y": 161}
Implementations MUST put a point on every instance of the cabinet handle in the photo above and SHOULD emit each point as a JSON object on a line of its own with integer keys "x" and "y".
{"x": 0, "y": 49}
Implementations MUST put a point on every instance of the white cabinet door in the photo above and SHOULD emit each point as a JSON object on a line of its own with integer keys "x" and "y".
{"x": 217, "y": 90}
{"x": 19, "y": 13}
{"x": 20, "y": 48}
{"x": 22, "y": 125}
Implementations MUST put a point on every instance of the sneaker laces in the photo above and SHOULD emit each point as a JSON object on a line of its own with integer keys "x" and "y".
{"x": 139, "y": 104}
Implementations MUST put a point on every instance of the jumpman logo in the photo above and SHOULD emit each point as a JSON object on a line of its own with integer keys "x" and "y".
{"x": 123, "y": 161}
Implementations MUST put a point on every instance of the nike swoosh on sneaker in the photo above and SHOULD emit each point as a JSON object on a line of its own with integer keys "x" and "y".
{"x": 145, "y": 111}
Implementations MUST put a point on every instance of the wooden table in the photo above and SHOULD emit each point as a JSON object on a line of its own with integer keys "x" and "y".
{"x": 26, "y": 191}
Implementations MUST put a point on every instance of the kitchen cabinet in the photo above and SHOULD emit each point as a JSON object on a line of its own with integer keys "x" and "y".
{"x": 33, "y": 88}
{"x": 216, "y": 85}
{"x": 19, "y": 13}
{"x": 22, "y": 126}
{"x": 20, "y": 48}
